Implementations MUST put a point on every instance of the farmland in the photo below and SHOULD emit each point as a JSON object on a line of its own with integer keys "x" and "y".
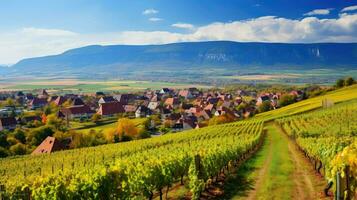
{"x": 57, "y": 85}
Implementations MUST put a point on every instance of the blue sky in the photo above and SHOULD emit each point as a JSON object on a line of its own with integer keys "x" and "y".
{"x": 43, "y": 27}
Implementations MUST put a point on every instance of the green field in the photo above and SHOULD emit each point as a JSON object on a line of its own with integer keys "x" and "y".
{"x": 287, "y": 76}
{"x": 89, "y": 86}
{"x": 108, "y": 123}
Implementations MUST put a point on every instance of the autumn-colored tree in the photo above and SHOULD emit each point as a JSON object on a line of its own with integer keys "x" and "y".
{"x": 226, "y": 118}
{"x": 95, "y": 118}
{"x": 168, "y": 123}
{"x": 110, "y": 135}
{"x": 44, "y": 118}
{"x": 126, "y": 128}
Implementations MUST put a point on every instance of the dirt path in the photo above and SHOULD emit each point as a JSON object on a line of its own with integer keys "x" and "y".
{"x": 262, "y": 171}
{"x": 278, "y": 171}
{"x": 307, "y": 183}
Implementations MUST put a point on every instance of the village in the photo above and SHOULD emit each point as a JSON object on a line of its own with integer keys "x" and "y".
{"x": 40, "y": 122}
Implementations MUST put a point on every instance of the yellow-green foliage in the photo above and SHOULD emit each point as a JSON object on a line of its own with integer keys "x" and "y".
{"x": 132, "y": 168}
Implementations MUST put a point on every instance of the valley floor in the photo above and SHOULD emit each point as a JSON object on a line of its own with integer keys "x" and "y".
{"x": 278, "y": 171}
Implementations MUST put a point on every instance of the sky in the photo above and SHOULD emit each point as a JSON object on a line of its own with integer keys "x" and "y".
{"x": 35, "y": 28}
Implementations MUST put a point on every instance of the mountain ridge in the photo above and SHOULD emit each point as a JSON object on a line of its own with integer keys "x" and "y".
{"x": 220, "y": 54}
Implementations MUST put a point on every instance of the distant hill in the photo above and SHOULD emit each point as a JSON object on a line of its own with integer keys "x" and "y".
{"x": 200, "y": 53}
{"x": 189, "y": 61}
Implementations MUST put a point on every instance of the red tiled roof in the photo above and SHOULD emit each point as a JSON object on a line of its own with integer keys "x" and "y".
{"x": 81, "y": 109}
{"x": 184, "y": 93}
{"x": 49, "y": 145}
{"x": 111, "y": 108}
{"x": 38, "y": 101}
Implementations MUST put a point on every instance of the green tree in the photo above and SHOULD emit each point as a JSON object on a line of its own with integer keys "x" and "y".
{"x": 19, "y": 134}
{"x": 241, "y": 106}
{"x": 50, "y": 109}
{"x": 265, "y": 106}
{"x": 340, "y": 83}
{"x": 3, "y": 140}
{"x": 286, "y": 99}
{"x": 18, "y": 149}
{"x": 10, "y": 102}
{"x": 3, "y": 152}
{"x": 55, "y": 122}
{"x": 37, "y": 135}
{"x": 349, "y": 81}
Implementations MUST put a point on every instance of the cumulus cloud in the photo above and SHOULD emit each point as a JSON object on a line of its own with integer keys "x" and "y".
{"x": 318, "y": 12}
{"x": 349, "y": 8}
{"x": 30, "y": 42}
{"x": 155, "y": 19}
{"x": 183, "y": 25}
{"x": 150, "y": 11}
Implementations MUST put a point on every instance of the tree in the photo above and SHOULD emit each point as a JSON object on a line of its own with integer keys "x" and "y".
{"x": 226, "y": 118}
{"x": 156, "y": 120}
{"x": 3, "y": 140}
{"x": 18, "y": 149}
{"x": 265, "y": 106}
{"x": 286, "y": 99}
{"x": 87, "y": 139}
{"x": 241, "y": 106}
{"x": 19, "y": 134}
{"x": 339, "y": 83}
{"x": 95, "y": 118}
{"x": 37, "y": 135}
{"x": 349, "y": 81}
{"x": 110, "y": 135}
{"x": 9, "y": 102}
{"x": 53, "y": 121}
{"x": 3, "y": 152}
{"x": 68, "y": 103}
{"x": 50, "y": 108}
{"x": 126, "y": 128}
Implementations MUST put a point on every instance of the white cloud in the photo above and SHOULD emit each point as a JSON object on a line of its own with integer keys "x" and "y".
{"x": 183, "y": 25}
{"x": 349, "y": 8}
{"x": 47, "y": 32}
{"x": 150, "y": 11}
{"x": 318, "y": 12}
{"x": 155, "y": 19}
{"x": 32, "y": 42}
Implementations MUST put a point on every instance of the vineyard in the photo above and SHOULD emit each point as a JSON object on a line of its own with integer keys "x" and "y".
{"x": 137, "y": 169}
{"x": 337, "y": 96}
{"x": 328, "y": 139}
